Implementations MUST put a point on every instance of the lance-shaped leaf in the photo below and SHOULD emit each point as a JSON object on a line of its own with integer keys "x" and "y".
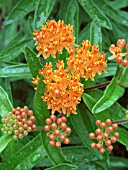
{"x": 95, "y": 33}
{"x": 27, "y": 156}
{"x": 42, "y": 12}
{"x": 64, "y": 167}
{"x": 33, "y": 62}
{"x": 21, "y": 9}
{"x": 72, "y": 16}
{"x": 41, "y": 112}
{"x": 93, "y": 11}
{"x": 111, "y": 94}
{"x": 4, "y": 141}
{"x": 5, "y": 104}
{"x": 20, "y": 70}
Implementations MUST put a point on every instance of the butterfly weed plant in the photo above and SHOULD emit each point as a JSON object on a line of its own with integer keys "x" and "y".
{"x": 63, "y": 85}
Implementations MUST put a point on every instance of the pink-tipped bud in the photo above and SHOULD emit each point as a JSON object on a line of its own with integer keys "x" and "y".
{"x": 52, "y": 143}
{"x": 116, "y": 134}
{"x": 121, "y": 43}
{"x": 105, "y": 135}
{"x": 48, "y": 121}
{"x": 29, "y": 123}
{"x": 119, "y": 60}
{"x": 58, "y": 144}
{"x": 30, "y": 113}
{"x": 98, "y": 131}
{"x": 108, "y": 142}
{"x": 114, "y": 126}
{"x": 59, "y": 121}
{"x": 23, "y": 114}
{"x": 66, "y": 141}
{"x": 62, "y": 137}
{"x": 103, "y": 125}
{"x": 47, "y": 128}
{"x": 93, "y": 145}
{"x": 32, "y": 118}
{"x": 99, "y": 138}
{"x": 109, "y": 129}
{"x": 98, "y": 122}
{"x": 125, "y": 63}
{"x": 108, "y": 122}
{"x": 54, "y": 125}
{"x": 99, "y": 145}
{"x": 52, "y": 137}
{"x": 102, "y": 150}
{"x": 110, "y": 147}
{"x": 63, "y": 119}
{"x": 15, "y": 137}
{"x": 91, "y": 135}
{"x": 68, "y": 130}
{"x": 53, "y": 117}
{"x": 113, "y": 139}
{"x": 57, "y": 132}
{"x": 63, "y": 126}
{"x": 34, "y": 127}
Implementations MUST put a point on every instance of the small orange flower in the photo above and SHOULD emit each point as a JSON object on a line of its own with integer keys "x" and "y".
{"x": 63, "y": 90}
{"x": 87, "y": 63}
{"x": 117, "y": 52}
{"x": 53, "y": 37}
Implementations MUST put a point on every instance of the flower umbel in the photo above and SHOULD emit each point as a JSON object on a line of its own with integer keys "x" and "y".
{"x": 63, "y": 90}
{"x": 57, "y": 130}
{"x": 18, "y": 122}
{"x": 103, "y": 135}
{"x": 87, "y": 63}
{"x": 54, "y": 37}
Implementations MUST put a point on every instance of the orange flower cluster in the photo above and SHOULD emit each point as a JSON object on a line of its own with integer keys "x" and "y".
{"x": 53, "y": 37}
{"x": 87, "y": 63}
{"x": 117, "y": 52}
{"x": 63, "y": 90}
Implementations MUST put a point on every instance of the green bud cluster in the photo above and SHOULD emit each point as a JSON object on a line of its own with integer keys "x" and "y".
{"x": 18, "y": 122}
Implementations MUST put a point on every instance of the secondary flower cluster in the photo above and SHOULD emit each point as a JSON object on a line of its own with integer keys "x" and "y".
{"x": 86, "y": 62}
{"x": 103, "y": 135}
{"x": 18, "y": 122}
{"x": 117, "y": 52}
{"x": 57, "y": 130}
{"x": 53, "y": 37}
{"x": 63, "y": 90}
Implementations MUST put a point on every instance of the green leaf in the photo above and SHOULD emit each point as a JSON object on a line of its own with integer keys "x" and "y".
{"x": 83, "y": 123}
{"x": 117, "y": 5}
{"x": 41, "y": 113}
{"x": 72, "y": 17}
{"x": 84, "y": 34}
{"x": 27, "y": 156}
{"x": 118, "y": 162}
{"x": 63, "y": 8}
{"x": 5, "y": 104}
{"x": 42, "y": 12}
{"x": 95, "y": 34}
{"x": 33, "y": 62}
{"x": 111, "y": 94}
{"x": 4, "y": 141}
{"x": 94, "y": 12}
{"x": 123, "y": 138}
{"x": 124, "y": 77}
{"x": 20, "y": 10}
{"x": 20, "y": 70}
{"x": 114, "y": 14}
{"x": 5, "y": 84}
{"x": 93, "y": 96}
{"x": 13, "y": 51}
{"x": 64, "y": 167}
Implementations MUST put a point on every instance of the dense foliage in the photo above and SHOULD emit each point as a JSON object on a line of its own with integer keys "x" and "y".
{"x": 40, "y": 75}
